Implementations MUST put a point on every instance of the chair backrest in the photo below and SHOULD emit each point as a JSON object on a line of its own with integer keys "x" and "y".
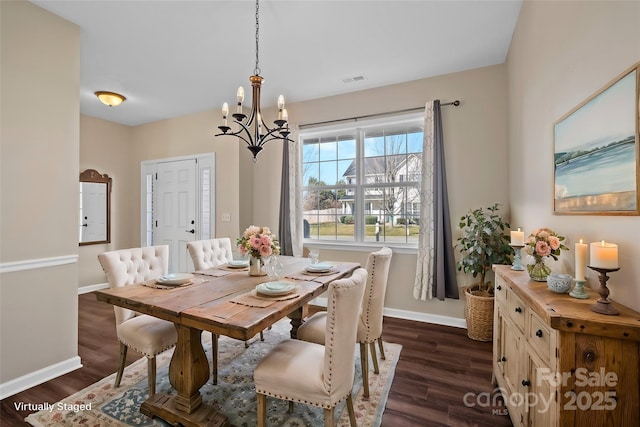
{"x": 370, "y": 325}
{"x": 210, "y": 253}
{"x": 340, "y": 333}
{"x": 128, "y": 266}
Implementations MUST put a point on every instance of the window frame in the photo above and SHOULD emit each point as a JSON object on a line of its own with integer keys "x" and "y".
{"x": 358, "y": 128}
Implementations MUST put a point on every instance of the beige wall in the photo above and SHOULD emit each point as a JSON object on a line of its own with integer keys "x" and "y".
{"x": 105, "y": 147}
{"x": 561, "y": 53}
{"x": 39, "y": 187}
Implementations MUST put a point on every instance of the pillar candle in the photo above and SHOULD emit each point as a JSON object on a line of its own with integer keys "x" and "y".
{"x": 581, "y": 260}
{"x": 517, "y": 238}
{"x": 604, "y": 255}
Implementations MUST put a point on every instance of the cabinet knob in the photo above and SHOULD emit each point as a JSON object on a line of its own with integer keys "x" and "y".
{"x": 526, "y": 383}
{"x": 539, "y": 333}
{"x": 518, "y": 310}
{"x": 503, "y": 359}
{"x": 499, "y": 287}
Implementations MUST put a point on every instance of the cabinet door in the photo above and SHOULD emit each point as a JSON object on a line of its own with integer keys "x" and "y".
{"x": 511, "y": 367}
{"x": 541, "y": 395}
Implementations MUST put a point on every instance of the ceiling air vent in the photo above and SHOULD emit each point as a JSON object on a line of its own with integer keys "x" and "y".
{"x": 354, "y": 79}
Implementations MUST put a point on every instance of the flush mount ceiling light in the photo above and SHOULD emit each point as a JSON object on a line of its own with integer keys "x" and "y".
{"x": 254, "y": 130}
{"x": 111, "y": 99}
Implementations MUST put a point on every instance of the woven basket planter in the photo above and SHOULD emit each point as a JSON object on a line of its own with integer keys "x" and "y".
{"x": 478, "y": 312}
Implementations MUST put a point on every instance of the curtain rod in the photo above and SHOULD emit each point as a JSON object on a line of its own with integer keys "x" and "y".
{"x": 407, "y": 110}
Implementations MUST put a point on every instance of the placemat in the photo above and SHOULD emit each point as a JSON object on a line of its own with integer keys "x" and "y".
{"x": 254, "y": 299}
{"x": 319, "y": 277}
{"x": 154, "y": 284}
{"x": 217, "y": 272}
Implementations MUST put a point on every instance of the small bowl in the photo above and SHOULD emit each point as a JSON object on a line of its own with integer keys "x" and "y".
{"x": 559, "y": 283}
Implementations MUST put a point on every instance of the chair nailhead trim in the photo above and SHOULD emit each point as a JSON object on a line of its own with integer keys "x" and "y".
{"x": 295, "y": 399}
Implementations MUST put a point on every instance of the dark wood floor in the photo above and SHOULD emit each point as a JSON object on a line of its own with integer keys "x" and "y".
{"x": 439, "y": 370}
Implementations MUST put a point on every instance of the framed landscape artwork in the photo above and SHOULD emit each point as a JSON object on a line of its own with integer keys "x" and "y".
{"x": 596, "y": 152}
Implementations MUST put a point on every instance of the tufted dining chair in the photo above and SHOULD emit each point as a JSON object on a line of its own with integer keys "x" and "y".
{"x": 208, "y": 254}
{"x": 370, "y": 321}
{"x": 145, "y": 334}
{"x": 306, "y": 372}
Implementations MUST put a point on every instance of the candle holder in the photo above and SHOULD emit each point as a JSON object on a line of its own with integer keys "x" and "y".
{"x": 516, "y": 259}
{"x": 578, "y": 290}
{"x": 603, "y": 305}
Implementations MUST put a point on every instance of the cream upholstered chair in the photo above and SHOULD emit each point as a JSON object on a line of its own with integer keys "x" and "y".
{"x": 306, "y": 372}
{"x": 208, "y": 254}
{"x": 370, "y": 322}
{"x": 145, "y": 334}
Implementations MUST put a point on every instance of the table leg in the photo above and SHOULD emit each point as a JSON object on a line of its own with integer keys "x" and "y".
{"x": 296, "y": 321}
{"x": 188, "y": 371}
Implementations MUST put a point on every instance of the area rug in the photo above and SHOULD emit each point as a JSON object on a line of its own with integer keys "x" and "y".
{"x": 101, "y": 404}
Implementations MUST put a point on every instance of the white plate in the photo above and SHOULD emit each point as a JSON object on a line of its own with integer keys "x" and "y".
{"x": 238, "y": 263}
{"x": 175, "y": 279}
{"x": 319, "y": 268}
{"x": 275, "y": 288}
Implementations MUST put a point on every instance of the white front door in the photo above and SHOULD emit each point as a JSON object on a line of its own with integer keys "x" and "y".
{"x": 175, "y": 210}
{"x": 177, "y": 205}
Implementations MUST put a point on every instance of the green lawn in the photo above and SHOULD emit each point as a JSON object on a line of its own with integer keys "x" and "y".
{"x": 346, "y": 230}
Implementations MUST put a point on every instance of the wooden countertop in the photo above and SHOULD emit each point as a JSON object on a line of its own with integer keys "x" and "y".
{"x": 565, "y": 313}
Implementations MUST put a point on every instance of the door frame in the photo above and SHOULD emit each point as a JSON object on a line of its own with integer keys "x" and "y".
{"x": 205, "y": 164}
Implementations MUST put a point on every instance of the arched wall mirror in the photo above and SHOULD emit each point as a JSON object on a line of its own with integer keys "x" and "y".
{"x": 95, "y": 208}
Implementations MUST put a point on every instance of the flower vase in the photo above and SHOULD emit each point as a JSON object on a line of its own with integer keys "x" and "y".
{"x": 538, "y": 270}
{"x": 255, "y": 266}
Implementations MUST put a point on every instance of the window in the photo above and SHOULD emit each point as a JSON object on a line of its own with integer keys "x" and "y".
{"x": 361, "y": 183}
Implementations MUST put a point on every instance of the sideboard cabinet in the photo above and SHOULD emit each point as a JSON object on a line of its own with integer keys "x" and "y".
{"x": 557, "y": 363}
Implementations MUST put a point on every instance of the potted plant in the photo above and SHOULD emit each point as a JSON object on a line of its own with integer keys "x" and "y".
{"x": 484, "y": 242}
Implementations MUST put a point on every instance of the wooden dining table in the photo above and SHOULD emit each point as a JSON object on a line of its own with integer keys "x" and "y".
{"x": 223, "y": 301}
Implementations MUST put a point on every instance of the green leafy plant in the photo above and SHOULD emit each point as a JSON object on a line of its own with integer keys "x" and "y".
{"x": 484, "y": 242}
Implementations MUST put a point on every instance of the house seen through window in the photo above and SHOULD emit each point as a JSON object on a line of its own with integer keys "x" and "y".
{"x": 362, "y": 183}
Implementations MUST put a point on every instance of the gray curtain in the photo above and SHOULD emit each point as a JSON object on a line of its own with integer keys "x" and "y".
{"x": 445, "y": 283}
{"x": 284, "y": 224}
{"x": 435, "y": 269}
{"x": 290, "y": 220}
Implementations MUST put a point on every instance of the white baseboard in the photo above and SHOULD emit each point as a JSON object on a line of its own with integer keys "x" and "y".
{"x": 411, "y": 315}
{"x": 38, "y": 377}
{"x": 91, "y": 288}
{"x": 437, "y": 319}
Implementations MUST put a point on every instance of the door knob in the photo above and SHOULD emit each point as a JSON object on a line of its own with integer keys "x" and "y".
{"x": 192, "y": 231}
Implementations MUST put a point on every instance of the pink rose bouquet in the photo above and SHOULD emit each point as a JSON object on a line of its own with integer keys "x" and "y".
{"x": 544, "y": 242}
{"x": 258, "y": 242}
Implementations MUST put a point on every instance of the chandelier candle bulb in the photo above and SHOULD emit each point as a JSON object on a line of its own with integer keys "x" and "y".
{"x": 240, "y": 97}
{"x": 604, "y": 255}
{"x": 581, "y": 259}
{"x": 517, "y": 238}
{"x": 281, "y": 102}
{"x": 225, "y": 112}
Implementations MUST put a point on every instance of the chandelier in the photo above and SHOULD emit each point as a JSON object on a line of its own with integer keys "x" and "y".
{"x": 253, "y": 130}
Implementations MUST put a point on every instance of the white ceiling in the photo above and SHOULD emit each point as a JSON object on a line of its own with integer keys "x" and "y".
{"x": 171, "y": 58}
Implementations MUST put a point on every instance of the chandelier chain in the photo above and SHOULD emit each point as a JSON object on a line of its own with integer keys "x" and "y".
{"x": 256, "y": 71}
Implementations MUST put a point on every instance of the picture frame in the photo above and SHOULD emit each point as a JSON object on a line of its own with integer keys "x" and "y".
{"x": 596, "y": 152}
